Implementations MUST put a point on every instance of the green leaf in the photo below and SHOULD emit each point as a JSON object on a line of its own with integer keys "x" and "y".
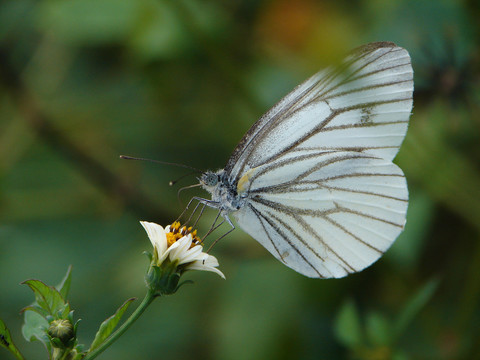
{"x": 7, "y": 342}
{"x": 34, "y": 327}
{"x": 37, "y": 309}
{"x": 348, "y": 328}
{"x": 106, "y": 328}
{"x": 378, "y": 329}
{"x": 49, "y": 298}
{"x": 413, "y": 307}
{"x": 64, "y": 286}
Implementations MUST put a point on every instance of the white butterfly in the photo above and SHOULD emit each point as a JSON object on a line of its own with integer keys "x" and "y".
{"x": 313, "y": 180}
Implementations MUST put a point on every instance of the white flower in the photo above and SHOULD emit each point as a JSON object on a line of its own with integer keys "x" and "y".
{"x": 180, "y": 245}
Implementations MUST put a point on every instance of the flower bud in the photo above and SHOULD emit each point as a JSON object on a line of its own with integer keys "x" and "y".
{"x": 163, "y": 279}
{"x": 61, "y": 329}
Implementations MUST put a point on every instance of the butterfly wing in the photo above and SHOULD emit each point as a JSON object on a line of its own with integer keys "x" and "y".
{"x": 322, "y": 193}
{"x": 362, "y": 105}
{"x": 326, "y": 214}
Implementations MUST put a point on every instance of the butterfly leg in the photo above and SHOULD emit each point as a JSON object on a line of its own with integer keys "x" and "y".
{"x": 214, "y": 205}
{"x": 201, "y": 201}
{"x": 225, "y": 217}
{"x": 186, "y": 208}
{"x": 209, "y": 203}
{"x": 214, "y": 227}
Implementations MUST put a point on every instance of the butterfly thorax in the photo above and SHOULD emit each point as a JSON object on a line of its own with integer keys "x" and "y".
{"x": 223, "y": 190}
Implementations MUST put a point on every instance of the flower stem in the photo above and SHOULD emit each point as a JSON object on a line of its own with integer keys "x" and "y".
{"x": 147, "y": 300}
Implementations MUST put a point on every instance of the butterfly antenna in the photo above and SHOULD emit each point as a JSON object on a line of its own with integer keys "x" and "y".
{"x": 126, "y": 157}
{"x": 173, "y": 182}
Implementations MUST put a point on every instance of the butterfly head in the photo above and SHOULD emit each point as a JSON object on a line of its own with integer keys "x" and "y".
{"x": 209, "y": 180}
{"x": 223, "y": 190}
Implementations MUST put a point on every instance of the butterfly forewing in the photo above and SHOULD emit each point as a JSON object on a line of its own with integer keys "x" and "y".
{"x": 362, "y": 105}
{"x": 314, "y": 175}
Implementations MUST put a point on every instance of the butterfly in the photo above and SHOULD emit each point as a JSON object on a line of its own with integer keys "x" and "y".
{"x": 313, "y": 179}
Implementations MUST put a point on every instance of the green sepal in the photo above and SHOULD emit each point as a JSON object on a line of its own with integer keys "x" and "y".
{"x": 163, "y": 280}
{"x": 49, "y": 298}
{"x": 107, "y": 327}
{"x": 75, "y": 326}
{"x": 7, "y": 342}
{"x": 57, "y": 343}
{"x": 149, "y": 255}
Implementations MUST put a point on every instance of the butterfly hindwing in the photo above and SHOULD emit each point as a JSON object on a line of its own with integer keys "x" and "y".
{"x": 335, "y": 216}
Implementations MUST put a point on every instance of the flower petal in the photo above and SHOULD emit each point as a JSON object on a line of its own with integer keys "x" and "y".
{"x": 192, "y": 254}
{"x": 157, "y": 237}
{"x": 177, "y": 250}
{"x": 181, "y": 251}
{"x": 208, "y": 264}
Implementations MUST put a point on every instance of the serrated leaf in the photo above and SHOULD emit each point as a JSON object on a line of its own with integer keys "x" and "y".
{"x": 37, "y": 309}
{"x": 64, "y": 286}
{"x": 413, "y": 307}
{"x": 107, "y": 327}
{"x": 378, "y": 329}
{"x": 34, "y": 328}
{"x": 347, "y": 326}
{"x": 7, "y": 342}
{"x": 48, "y": 298}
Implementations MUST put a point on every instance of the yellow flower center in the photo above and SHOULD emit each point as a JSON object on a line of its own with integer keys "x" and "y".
{"x": 176, "y": 232}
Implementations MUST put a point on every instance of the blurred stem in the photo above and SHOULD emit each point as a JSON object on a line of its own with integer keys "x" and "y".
{"x": 469, "y": 300}
{"x": 95, "y": 172}
{"x": 147, "y": 300}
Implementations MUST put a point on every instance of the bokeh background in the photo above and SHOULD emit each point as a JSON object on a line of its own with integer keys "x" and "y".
{"x": 83, "y": 81}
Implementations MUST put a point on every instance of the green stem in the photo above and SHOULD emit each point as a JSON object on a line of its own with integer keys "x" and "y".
{"x": 65, "y": 354}
{"x": 147, "y": 300}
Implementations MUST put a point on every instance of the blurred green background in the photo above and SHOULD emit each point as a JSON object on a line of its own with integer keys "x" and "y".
{"x": 83, "y": 81}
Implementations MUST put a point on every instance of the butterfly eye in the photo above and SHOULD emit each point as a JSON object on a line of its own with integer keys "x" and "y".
{"x": 210, "y": 179}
